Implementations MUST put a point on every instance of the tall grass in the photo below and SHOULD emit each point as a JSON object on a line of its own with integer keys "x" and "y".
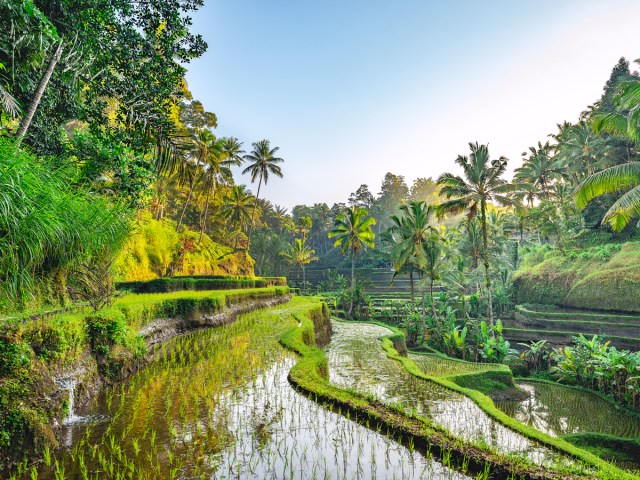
{"x": 47, "y": 223}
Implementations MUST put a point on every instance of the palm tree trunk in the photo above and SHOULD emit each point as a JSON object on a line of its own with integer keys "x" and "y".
{"x": 37, "y": 96}
{"x": 204, "y": 218}
{"x": 353, "y": 279}
{"x": 186, "y": 204}
{"x": 413, "y": 300}
{"x": 485, "y": 258}
{"x": 304, "y": 279}
{"x": 253, "y": 213}
{"x": 433, "y": 305}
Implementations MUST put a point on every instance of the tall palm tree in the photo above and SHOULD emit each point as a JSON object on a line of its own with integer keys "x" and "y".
{"x": 238, "y": 204}
{"x": 214, "y": 171}
{"x": 409, "y": 233}
{"x": 433, "y": 268}
{"x": 263, "y": 162}
{"x": 300, "y": 254}
{"x": 481, "y": 184}
{"x": 352, "y": 232}
{"x": 233, "y": 149}
{"x": 201, "y": 147}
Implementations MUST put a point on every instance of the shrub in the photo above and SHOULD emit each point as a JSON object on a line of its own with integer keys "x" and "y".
{"x": 104, "y": 331}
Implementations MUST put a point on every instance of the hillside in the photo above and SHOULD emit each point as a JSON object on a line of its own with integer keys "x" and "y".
{"x": 600, "y": 278}
{"x": 154, "y": 247}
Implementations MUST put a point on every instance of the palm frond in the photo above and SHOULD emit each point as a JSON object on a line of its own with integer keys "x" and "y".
{"x": 609, "y": 180}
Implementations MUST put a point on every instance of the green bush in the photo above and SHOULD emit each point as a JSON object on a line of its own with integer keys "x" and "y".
{"x": 104, "y": 331}
{"x": 14, "y": 353}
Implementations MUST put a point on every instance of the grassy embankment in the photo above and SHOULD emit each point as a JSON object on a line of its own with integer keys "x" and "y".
{"x": 102, "y": 345}
{"x": 598, "y": 278}
{"x": 310, "y": 376}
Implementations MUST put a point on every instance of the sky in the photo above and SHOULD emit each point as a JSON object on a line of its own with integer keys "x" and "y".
{"x": 352, "y": 89}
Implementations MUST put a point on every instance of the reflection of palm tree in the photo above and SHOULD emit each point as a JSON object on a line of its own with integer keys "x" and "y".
{"x": 480, "y": 185}
{"x": 263, "y": 163}
{"x": 352, "y": 231}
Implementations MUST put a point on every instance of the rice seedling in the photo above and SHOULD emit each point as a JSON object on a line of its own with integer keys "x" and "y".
{"x": 217, "y": 404}
{"x": 558, "y": 410}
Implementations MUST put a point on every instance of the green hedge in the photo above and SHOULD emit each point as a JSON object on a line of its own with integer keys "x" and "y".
{"x": 213, "y": 282}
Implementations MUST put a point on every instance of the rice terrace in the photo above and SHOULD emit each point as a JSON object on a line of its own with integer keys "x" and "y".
{"x": 319, "y": 240}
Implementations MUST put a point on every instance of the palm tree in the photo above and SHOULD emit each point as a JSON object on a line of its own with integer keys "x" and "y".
{"x": 237, "y": 205}
{"x": 409, "y": 234}
{"x": 300, "y": 254}
{"x": 481, "y": 184}
{"x": 539, "y": 170}
{"x": 222, "y": 154}
{"x": 263, "y": 163}
{"x": 214, "y": 171}
{"x": 352, "y": 232}
{"x": 432, "y": 268}
{"x": 233, "y": 149}
{"x": 202, "y": 149}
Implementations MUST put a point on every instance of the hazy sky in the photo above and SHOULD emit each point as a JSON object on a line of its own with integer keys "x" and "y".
{"x": 352, "y": 89}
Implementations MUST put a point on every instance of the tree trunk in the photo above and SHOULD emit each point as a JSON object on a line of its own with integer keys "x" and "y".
{"x": 413, "y": 300}
{"x": 485, "y": 258}
{"x": 204, "y": 219}
{"x": 186, "y": 204}
{"x": 433, "y": 305}
{"x": 253, "y": 214}
{"x": 304, "y": 279}
{"x": 37, "y": 96}
{"x": 353, "y": 279}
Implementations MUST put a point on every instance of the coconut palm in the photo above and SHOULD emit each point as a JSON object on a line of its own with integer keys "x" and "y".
{"x": 579, "y": 148}
{"x": 409, "y": 234}
{"x": 215, "y": 170}
{"x": 264, "y": 162}
{"x": 481, "y": 184}
{"x": 233, "y": 149}
{"x": 300, "y": 254}
{"x": 202, "y": 147}
{"x": 352, "y": 232}
{"x": 539, "y": 170}
{"x": 238, "y": 204}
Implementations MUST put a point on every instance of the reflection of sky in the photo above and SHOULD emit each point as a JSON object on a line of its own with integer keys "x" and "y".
{"x": 400, "y": 86}
{"x": 357, "y": 360}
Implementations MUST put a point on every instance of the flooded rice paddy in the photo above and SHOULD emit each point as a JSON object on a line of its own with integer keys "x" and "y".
{"x": 435, "y": 365}
{"x": 558, "y": 411}
{"x": 217, "y": 405}
{"x": 357, "y": 361}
